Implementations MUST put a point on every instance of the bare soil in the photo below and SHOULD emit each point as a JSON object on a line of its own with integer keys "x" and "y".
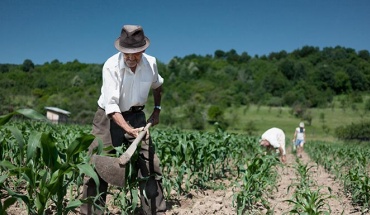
{"x": 339, "y": 204}
{"x": 220, "y": 201}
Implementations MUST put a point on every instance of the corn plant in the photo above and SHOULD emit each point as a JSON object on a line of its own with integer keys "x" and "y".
{"x": 194, "y": 159}
{"x": 349, "y": 162}
{"x": 357, "y": 182}
{"x": 9, "y": 201}
{"x": 43, "y": 165}
{"x": 303, "y": 171}
{"x": 307, "y": 201}
{"x": 259, "y": 177}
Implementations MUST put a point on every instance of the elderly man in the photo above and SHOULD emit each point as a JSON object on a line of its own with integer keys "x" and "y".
{"x": 274, "y": 138}
{"x": 128, "y": 76}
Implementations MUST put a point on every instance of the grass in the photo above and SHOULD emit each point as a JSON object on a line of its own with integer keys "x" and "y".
{"x": 264, "y": 117}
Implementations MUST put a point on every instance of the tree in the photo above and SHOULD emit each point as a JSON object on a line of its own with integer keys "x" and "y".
{"x": 232, "y": 56}
{"x": 305, "y": 51}
{"x": 357, "y": 79}
{"x": 4, "y": 68}
{"x": 287, "y": 68}
{"x": 364, "y": 54}
{"x": 215, "y": 113}
{"x": 342, "y": 82}
{"x": 219, "y": 54}
{"x": 27, "y": 65}
{"x": 244, "y": 57}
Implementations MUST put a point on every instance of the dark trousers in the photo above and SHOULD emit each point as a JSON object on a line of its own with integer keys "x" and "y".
{"x": 148, "y": 164}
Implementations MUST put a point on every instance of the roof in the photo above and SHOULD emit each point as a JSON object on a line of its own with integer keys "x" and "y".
{"x": 58, "y": 110}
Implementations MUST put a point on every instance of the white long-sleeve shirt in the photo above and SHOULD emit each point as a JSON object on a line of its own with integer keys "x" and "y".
{"x": 276, "y": 138}
{"x": 122, "y": 88}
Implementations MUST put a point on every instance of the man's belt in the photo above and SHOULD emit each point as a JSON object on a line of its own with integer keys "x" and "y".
{"x": 136, "y": 108}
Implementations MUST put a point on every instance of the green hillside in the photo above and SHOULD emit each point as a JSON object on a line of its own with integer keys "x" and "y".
{"x": 325, "y": 87}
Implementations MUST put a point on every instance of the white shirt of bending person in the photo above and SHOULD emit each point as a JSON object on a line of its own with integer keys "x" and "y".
{"x": 276, "y": 137}
{"x": 122, "y": 88}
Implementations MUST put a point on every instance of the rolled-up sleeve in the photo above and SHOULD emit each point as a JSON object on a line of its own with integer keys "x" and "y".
{"x": 111, "y": 88}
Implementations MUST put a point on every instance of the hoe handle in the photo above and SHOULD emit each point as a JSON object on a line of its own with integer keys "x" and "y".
{"x": 125, "y": 157}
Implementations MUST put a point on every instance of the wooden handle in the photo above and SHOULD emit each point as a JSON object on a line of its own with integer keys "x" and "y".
{"x": 125, "y": 157}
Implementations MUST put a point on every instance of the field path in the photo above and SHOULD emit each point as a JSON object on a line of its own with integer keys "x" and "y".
{"x": 317, "y": 173}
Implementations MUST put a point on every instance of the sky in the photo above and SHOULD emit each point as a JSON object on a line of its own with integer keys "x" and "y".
{"x": 85, "y": 30}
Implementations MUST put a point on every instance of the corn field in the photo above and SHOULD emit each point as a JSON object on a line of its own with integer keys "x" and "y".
{"x": 42, "y": 166}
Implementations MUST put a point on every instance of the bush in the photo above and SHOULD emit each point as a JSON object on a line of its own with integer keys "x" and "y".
{"x": 360, "y": 131}
{"x": 367, "y": 105}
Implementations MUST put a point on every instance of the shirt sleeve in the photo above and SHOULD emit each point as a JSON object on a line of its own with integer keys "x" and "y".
{"x": 111, "y": 88}
{"x": 157, "y": 78}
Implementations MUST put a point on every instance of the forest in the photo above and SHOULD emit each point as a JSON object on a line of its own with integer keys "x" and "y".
{"x": 201, "y": 86}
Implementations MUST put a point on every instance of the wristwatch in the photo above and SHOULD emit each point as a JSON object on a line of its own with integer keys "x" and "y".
{"x": 157, "y": 107}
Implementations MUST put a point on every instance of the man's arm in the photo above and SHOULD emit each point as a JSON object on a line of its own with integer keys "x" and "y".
{"x": 157, "y": 94}
{"x": 118, "y": 118}
{"x": 282, "y": 154}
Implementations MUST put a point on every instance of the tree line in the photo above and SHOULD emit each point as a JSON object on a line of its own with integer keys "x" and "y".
{"x": 304, "y": 78}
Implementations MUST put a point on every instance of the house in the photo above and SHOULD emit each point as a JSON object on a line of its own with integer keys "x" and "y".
{"x": 57, "y": 115}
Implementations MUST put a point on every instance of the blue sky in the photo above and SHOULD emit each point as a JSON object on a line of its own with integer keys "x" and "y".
{"x": 66, "y": 30}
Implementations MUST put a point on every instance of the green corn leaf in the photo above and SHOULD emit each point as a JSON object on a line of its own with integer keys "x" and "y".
{"x": 18, "y": 136}
{"x": 43, "y": 178}
{"x": 40, "y": 202}
{"x": 22, "y": 197}
{"x": 73, "y": 204}
{"x": 80, "y": 144}
{"x": 135, "y": 200}
{"x": 33, "y": 143}
{"x": 49, "y": 151}
{"x": 56, "y": 182}
{"x": 3, "y": 178}
{"x": 89, "y": 171}
{"x": 7, "y": 165}
{"x": 54, "y": 178}
{"x": 32, "y": 114}
{"x": 7, "y": 203}
{"x": 5, "y": 118}
{"x": 28, "y": 175}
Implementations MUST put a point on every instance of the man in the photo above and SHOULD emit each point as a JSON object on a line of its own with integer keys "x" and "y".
{"x": 274, "y": 138}
{"x": 299, "y": 138}
{"x": 128, "y": 77}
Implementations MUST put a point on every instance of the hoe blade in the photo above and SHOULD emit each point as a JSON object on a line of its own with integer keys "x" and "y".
{"x": 110, "y": 170}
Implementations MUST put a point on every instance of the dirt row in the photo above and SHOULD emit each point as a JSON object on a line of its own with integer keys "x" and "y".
{"x": 339, "y": 204}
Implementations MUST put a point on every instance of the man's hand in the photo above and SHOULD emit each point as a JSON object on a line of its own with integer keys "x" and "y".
{"x": 134, "y": 132}
{"x": 283, "y": 158}
{"x": 154, "y": 118}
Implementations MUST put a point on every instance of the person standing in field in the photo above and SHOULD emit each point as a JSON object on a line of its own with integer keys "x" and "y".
{"x": 274, "y": 138}
{"x": 128, "y": 77}
{"x": 299, "y": 138}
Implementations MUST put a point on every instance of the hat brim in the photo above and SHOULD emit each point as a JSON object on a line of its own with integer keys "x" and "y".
{"x": 131, "y": 50}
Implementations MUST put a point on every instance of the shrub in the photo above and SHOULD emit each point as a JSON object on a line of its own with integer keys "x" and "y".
{"x": 359, "y": 131}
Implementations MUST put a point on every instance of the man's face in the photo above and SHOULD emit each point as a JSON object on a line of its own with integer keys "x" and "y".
{"x": 132, "y": 59}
